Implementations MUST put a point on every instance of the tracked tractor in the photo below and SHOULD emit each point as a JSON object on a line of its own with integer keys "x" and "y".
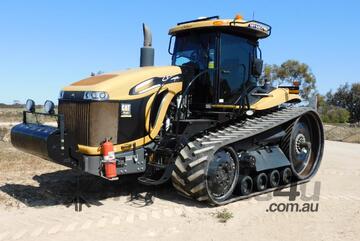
{"x": 204, "y": 123}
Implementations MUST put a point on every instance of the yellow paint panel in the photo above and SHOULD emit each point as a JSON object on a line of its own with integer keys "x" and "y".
{"x": 118, "y": 86}
{"x": 275, "y": 98}
{"x": 94, "y": 80}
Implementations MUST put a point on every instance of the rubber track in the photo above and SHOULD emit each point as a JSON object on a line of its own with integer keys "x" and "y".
{"x": 189, "y": 175}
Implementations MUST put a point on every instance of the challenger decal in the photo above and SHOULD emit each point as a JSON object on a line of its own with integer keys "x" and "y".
{"x": 153, "y": 83}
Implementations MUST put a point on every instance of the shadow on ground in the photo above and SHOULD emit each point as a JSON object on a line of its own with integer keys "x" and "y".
{"x": 59, "y": 188}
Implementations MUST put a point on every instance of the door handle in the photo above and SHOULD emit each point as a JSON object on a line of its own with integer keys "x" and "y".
{"x": 223, "y": 71}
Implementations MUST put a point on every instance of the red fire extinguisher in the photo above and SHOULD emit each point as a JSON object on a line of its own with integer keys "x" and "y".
{"x": 109, "y": 160}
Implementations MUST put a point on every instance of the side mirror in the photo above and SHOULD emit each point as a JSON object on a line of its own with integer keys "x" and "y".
{"x": 257, "y": 67}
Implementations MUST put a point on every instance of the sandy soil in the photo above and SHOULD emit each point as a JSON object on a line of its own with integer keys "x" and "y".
{"x": 33, "y": 194}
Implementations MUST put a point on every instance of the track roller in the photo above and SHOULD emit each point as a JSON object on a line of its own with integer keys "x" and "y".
{"x": 274, "y": 178}
{"x": 286, "y": 175}
{"x": 245, "y": 185}
{"x": 261, "y": 181}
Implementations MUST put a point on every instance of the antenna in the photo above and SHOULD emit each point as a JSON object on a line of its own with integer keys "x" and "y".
{"x": 253, "y": 18}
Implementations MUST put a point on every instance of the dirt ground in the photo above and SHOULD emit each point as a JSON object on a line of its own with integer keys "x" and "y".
{"x": 34, "y": 194}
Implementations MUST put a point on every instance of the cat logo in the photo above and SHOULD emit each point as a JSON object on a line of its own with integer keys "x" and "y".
{"x": 125, "y": 110}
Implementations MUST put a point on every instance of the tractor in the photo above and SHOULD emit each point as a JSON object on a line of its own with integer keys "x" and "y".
{"x": 205, "y": 122}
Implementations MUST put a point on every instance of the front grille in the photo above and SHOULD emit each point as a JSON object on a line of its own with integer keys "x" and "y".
{"x": 77, "y": 120}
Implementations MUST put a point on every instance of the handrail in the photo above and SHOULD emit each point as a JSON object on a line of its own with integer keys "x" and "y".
{"x": 187, "y": 90}
{"x": 182, "y": 101}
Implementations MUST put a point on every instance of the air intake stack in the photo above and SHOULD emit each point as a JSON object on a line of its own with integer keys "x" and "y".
{"x": 147, "y": 52}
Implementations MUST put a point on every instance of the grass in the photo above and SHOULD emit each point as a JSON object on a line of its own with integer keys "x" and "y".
{"x": 11, "y": 114}
{"x": 345, "y": 133}
{"x": 16, "y": 115}
{"x": 224, "y": 215}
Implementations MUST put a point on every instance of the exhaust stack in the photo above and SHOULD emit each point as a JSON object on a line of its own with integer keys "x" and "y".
{"x": 147, "y": 52}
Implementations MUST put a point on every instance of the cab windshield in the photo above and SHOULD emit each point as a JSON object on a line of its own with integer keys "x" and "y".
{"x": 196, "y": 50}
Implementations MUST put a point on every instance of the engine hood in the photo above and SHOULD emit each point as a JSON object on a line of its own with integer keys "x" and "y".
{"x": 119, "y": 84}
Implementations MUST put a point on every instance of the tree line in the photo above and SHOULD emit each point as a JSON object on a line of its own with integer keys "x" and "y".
{"x": 339, "y": 106}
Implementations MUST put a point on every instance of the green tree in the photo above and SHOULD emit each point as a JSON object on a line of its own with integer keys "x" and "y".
{"x": 348, "y": 97}
{"x": 330, "y": 113}
{"x": 269, "y": 73}
{"x": 290, "y": 71}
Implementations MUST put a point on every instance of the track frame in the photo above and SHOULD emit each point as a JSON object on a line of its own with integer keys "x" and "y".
{"x": 189, "y": 175}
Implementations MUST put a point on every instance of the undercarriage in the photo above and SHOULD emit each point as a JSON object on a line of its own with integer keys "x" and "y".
{"x": 257, "y": 155}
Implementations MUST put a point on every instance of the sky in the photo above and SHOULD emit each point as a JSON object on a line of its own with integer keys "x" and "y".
{"x": 46, "y": 45}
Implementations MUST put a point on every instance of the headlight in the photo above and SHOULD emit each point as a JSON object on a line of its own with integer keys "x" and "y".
{"x": 96, "y": 95}
{"x": 30, "y": 105}
{"x": 49, "y": 107}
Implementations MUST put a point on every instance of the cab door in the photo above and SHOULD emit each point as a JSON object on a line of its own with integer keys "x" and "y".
{"x": 234, "y": 72}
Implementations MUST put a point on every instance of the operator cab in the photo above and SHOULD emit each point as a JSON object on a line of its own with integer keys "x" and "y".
{"x": 221, "y": 57}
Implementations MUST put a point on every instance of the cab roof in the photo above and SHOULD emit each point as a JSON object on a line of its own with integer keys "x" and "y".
{"x": 238, "y": 25}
